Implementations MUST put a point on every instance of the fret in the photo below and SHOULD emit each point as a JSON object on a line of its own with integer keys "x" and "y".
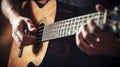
{"x": 66, "y": 27}
{"x": 58, "y": 27}
{"x": 101, "y": 21}
{"x": 72, "y": 30}
{"x": 70, "y": 26}
{"x": 97, "y": 16}
{"x": 58, "y": 24}
{"x": 53, "y": 31}
{"x": 60, "y": 30}
{"x": 76, "y": 25}
{"x": 57, "y": 30}
{"x": 63, "y": 28}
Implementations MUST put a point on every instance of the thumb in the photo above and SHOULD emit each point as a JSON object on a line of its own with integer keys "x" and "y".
{"x": 30, "y": 25}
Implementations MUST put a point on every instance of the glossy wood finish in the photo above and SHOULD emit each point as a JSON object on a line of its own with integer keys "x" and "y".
{"x": 44, "y": 15}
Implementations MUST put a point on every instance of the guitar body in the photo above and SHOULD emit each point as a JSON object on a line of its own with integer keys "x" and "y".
{"x": 45, "y": 15}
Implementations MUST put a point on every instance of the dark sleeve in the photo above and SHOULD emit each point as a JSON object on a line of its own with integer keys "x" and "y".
{"x": 113, "y": 2}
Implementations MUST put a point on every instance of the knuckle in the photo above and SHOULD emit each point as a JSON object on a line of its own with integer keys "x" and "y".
{"x": 13, "y": 34}
{"x": 19, "y": 44}
{"x": 22, "y": 38}
{"x": 78, "y": 39}
{"x": 79, "y": 44}
{"x": 85, "y": 32}
{"x": 85, "y": 26}
{"x": 90, "y": 21}
{"x": 28, "y": 20}
{"x": 95, "y": 29}
{"x": 86, "y": 36}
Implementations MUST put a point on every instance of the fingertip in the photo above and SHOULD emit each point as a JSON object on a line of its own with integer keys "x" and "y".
{"x": 31, "y": 26}
{"x": 100, "y": 7}
{"x": 33, "y": 30}
{"x": 90, "y": 21}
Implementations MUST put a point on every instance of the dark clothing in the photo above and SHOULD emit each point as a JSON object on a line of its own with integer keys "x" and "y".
{"x": 86, "y": 3}
{"x": 64, "y": 52}
{"x": 75, "y": 57}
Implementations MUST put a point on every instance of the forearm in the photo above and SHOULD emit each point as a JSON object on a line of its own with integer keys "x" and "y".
{"x": 11, "y": 9}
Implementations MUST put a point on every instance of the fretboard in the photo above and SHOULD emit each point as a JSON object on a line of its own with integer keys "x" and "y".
{"x": 70, "y": 26}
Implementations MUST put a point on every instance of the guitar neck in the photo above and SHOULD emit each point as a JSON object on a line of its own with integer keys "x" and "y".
{"x": 70, "y": 26}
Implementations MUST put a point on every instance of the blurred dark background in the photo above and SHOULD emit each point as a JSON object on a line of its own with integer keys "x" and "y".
{"x": 5, "y": 39}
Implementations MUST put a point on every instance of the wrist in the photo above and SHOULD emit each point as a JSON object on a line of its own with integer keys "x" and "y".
{"x": 14, "y": 18}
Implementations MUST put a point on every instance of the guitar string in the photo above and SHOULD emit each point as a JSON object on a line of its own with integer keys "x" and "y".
{"x": 61, "y": 22}
{"x": 53, "y": 27}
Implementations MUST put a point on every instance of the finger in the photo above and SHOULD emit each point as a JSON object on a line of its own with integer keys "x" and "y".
{"x": 30, "y": 25}
{"x": 18, "y": 34}
{"x": 19, "y": 31}
{"x": 78, "y": 35}
{"x": 94, "y": 29}
{"x": 100, "y": 7}
{"x": 89, "y": 37}
{"x": 81, "y": 43}
{"x": 23, "y": 39}
{"x": 17, "y": 39}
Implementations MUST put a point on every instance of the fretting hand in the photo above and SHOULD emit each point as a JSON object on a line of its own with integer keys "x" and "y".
{"x": 92, "y": 40}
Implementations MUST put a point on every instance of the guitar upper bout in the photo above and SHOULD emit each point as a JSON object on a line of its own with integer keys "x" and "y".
{"x": 34, "y": 12}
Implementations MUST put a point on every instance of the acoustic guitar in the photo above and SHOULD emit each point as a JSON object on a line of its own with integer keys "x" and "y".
{"x": 47, "y": 30}
{"x": 44, "y": 15}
